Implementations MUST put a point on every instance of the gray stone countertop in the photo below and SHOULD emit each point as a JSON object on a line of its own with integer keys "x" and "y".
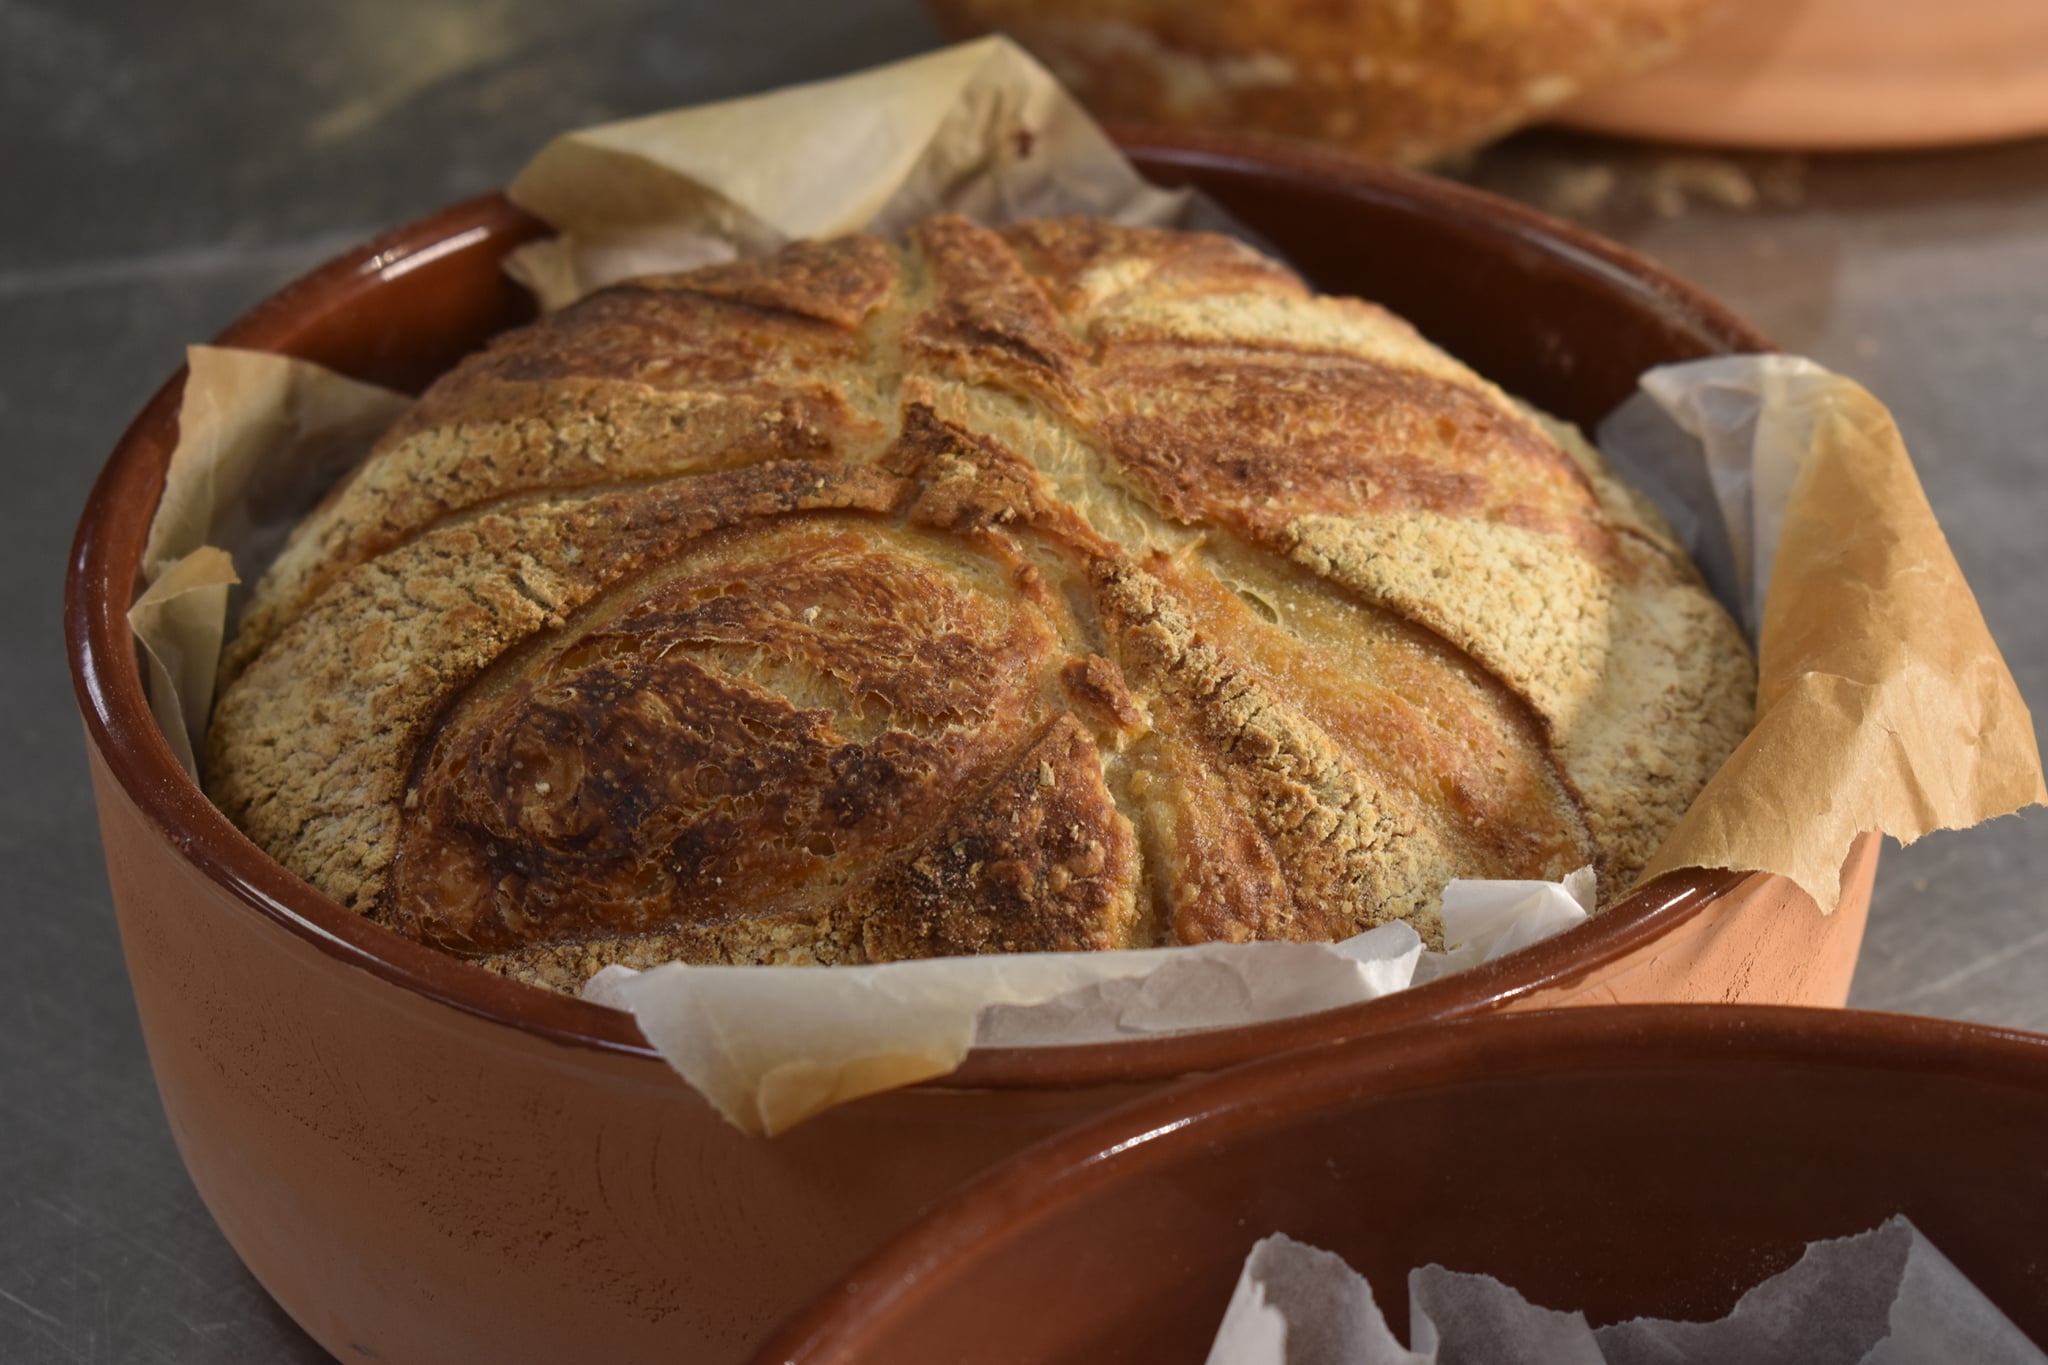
{"x": 168, "y": 165}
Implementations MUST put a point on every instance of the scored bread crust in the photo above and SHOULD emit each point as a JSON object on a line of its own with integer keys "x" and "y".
{"x": 1065, "y": 587}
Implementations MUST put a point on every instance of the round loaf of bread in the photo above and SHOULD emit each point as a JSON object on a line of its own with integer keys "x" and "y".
{"x": 1065, "y": 587}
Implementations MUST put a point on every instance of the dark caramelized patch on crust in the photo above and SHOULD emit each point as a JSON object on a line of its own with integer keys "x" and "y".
{"x": 1041, "y": 861}
{"x": 790, "y": 706}
{"x": 1072, "y": 587}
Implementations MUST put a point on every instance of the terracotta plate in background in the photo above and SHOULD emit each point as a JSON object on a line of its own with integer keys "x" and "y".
{"x": 1841, "y": 74}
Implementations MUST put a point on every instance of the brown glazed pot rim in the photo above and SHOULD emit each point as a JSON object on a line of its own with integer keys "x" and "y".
{"x": 1208, "y": 1113}
{"x": 103, "y": 580}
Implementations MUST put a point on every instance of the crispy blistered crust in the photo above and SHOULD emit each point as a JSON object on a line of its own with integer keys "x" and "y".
{"x": 1070, "y": 587}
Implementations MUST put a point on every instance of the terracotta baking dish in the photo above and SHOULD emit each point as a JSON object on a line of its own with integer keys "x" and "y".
{"x": 1622, "y": 1162}
{"x": 425, "y": 1162}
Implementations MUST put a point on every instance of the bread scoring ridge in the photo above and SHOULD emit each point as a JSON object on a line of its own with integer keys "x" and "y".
{"x": 1073, "y": 586}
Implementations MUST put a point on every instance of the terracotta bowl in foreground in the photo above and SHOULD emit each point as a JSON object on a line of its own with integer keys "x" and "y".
{"x": 1619, "y": 1162}
{"x": 424, "y": 1162}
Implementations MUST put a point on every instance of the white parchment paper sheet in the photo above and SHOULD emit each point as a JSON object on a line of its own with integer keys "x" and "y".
{"x": 1885, "y": 1297}
{"x": 770, "y": 1046}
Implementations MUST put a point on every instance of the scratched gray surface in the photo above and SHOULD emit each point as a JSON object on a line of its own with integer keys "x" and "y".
{"x": 166, "y": 166}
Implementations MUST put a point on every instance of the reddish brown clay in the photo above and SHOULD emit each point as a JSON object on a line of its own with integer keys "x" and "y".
{"x": 426, "y": 1162}
{"x": 1622, "y": 1162}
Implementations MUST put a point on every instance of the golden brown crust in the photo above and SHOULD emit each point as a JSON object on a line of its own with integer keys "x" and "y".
{"x": 780, "y": 707}
{"x": 1280, "y": 832}
{"x": 1257, "y": 441}
{"x": 989, "y": 320}
{"x": 1070, "y": 587}
{"x": 841, "y": 282}
{"x": 1401, "y": 81}
{"x": 646, "y": 381}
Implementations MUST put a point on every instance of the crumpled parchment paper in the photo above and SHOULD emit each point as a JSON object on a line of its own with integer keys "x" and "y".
{"x": 771, "y": 1046}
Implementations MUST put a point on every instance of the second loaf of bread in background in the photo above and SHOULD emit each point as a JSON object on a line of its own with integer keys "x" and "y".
{"x": 1405, "y": 82}
{"x": 1068, "y": 587}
